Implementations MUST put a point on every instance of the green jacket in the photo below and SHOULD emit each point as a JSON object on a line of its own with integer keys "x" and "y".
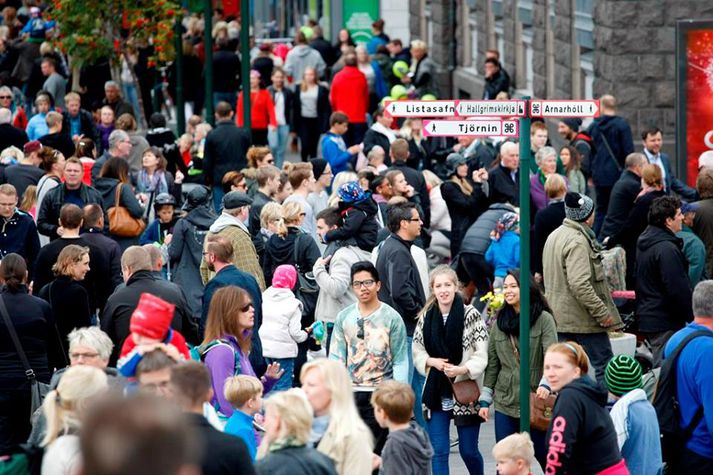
{"x": 502, "y": 376}
{"x": 575, "y": 282}
{"x": 695, "y": 252}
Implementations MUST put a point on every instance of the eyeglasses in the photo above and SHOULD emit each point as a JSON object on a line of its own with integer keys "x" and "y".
{"x": 360, "y": 332}
{"x": 369, "y": 283}
{"x": 247, "y": 307}
{"x": 414, "y": 220}
{"x": 86, "y": 356}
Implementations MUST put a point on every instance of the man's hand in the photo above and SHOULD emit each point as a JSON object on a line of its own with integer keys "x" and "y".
{"x": 168, "y": 239}
{"x": 323, "y": 261}
{"x": 354, "y": 149}
{"x": 543, "y": 392}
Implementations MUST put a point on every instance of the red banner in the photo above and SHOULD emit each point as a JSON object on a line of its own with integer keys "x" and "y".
{"x": 699, "y": 98}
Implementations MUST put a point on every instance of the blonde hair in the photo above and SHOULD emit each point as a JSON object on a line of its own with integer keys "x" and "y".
{"x": 340, "y": 179}
{"x": 443, "y": 269}
{"x": 240, "y": 389}
{"x": 291, "y": 214}
{"x": 70, "y": 255}
{"x": 29, "y": 198}
{"x": 63, "y": 406}
{"x": 295, "y": 415}
{"x": 272, "y": 211}
{"x": 555, "y": 186}
{"x": 336, "y": 379}
{"x": 515, "y": 447}
{"x": 432, "y": 179}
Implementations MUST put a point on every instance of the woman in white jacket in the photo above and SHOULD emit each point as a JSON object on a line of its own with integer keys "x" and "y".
{"x": 281, "y": 327}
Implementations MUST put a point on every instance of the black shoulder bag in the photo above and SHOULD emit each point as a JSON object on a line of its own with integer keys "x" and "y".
{"x": 38, "y": 390}
{"x": 306, "y": 289}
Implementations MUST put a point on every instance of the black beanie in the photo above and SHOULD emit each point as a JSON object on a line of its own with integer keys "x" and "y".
{"x": 578, "y": 207}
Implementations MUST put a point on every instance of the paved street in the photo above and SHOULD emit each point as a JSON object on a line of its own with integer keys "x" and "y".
{"x": 487, "y": 441}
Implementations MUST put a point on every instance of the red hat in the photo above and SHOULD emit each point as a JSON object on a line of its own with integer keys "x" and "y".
{"x": 152, "y": 317}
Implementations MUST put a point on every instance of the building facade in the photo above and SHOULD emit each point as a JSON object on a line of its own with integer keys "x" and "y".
{"x": 564, "y": 49}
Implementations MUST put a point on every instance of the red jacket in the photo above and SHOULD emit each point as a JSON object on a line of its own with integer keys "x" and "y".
{"x": 350, "y": 94}
{"x": 262, "y": 110}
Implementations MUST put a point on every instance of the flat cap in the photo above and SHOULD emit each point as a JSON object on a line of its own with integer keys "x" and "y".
{"x": 236, "y": 199}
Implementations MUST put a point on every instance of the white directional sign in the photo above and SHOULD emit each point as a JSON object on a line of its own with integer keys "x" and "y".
{"x": 556, "y": 108}
{"x": 491, "y": 108}
{"x": 421, "y": 108}
{"x": 473, "y": 128}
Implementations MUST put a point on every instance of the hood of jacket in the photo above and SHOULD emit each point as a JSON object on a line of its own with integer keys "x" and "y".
{"x": 587, "y": 387}
{"x": 201, "y": 217}
{"x": 368, "y": 206}
{"x": 106, "y": 187}
{"x": 412, "y": 445}
{"x": 274, "y": 294}
{"x": 225, "y": 220}
{"x": 303, "y": 50}
{"x": 654, "y": 235}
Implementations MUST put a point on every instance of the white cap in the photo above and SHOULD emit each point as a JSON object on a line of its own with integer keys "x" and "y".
{"x": 705, "y": 159}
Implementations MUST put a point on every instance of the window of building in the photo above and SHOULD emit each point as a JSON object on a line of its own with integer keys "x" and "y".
{"x": 584, "y": 38}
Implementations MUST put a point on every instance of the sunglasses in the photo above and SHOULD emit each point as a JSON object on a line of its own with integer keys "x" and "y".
{"x": 5, "y": 97}
{"x": 247, "y": 307}
{"x": 360, "y": 332}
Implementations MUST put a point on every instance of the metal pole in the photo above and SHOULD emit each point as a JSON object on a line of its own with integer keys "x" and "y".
{"x": 525, "y": 158}
{"x": 245, "y": 62}
{"x": 180, "y": 101}
{"x": 208, "y": 68}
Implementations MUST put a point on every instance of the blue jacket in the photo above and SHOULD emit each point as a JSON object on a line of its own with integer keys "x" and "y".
{"x": 241, "y": 425}
{"x": 606, "y": 169}
{"x": 642, "y": 449}
{"x": 18, "y": 234}
{"x": 334, "y": 150}
{"x": 504, "y": 254}
{"x": 695, "y": 385}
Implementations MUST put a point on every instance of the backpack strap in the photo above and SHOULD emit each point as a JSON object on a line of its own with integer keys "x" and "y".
{"x": 698, "y": 416}
{"x": 204, "y": 349}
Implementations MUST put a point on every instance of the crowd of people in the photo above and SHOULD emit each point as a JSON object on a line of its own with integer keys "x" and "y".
{"x": 333, "y": 315}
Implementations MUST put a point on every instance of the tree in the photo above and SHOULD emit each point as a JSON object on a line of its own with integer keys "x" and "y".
{"x": 93, "y": 29}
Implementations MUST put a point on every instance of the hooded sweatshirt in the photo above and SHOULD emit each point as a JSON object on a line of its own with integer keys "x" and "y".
{"x": 406, "y": 452}
{"x": 581, "y": 437}
{"x": 281, "y": 328}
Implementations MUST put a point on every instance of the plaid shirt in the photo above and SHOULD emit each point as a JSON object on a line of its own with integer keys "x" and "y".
{"x": 244, "y": 255}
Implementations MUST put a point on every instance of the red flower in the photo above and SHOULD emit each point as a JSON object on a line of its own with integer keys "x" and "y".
{"x": 170, "y": 12}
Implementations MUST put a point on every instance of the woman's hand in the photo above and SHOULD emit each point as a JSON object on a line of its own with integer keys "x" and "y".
{"x": 484, "y": 413}
{"x": 452, "y": 370}
{"x": 543, "y": 392}
{"x": 375, "y": 462}
{"x": 179, "y": 177}
{"x": 273, "y": 371}
{"x": 437, "y": 363}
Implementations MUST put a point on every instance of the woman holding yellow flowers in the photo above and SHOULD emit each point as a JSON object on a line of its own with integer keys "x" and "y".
{"x": 502, "y": 375}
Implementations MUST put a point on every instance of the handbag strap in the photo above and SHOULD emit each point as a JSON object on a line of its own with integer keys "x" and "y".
{"x": 611, "y": 154}
{"x": 29, "y": 373}
{"x": 117, "y": 195}
{"x": 515, "y": 349}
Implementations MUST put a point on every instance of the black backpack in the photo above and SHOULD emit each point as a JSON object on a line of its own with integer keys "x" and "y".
{"x": 668, "y": 408}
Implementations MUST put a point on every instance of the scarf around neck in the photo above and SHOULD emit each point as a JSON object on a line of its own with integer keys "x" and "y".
{"x": 442, "y": 341}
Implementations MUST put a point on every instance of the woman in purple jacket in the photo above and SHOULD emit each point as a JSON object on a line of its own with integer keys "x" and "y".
{"x": 226, "y": 344}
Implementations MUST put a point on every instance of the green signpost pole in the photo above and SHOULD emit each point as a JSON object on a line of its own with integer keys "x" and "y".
{"x": 245, "y": 61}
{"x": 525, "y": 157}
{"x": 180, "y": 101}
{"x": 208, "y": 43}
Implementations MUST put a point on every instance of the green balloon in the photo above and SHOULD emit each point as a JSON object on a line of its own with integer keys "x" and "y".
{"x": 428, "y": 97}
{"x": 400, "y": 69}
{"x": 398, "y": 91}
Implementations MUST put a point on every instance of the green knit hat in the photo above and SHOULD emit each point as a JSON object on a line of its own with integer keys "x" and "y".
{"x": 623, "y": 374}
